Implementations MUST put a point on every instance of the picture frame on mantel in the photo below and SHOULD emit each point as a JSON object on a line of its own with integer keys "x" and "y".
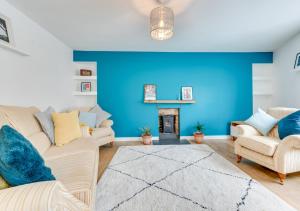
{"x": 149, "y": 92}
{"x": 6, "y": 34}
{"x": 297, "y": 62}
{"x": 187, "y": 93}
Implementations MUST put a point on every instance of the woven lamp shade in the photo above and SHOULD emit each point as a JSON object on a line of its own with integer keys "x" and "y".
{"x": 161, "y": 23}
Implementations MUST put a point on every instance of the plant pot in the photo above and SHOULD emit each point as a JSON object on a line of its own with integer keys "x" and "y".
{"x": 198, "y": 137}
{"x": 147, "y": 140}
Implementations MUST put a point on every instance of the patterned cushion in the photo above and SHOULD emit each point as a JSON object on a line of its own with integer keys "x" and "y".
{"x": 20, "y": 162}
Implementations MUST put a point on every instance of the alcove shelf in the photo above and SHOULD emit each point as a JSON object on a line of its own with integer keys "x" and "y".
{"x": 170, "y": 101}
{"x": 84, "y": 93}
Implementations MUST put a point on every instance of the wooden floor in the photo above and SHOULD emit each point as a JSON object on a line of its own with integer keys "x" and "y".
{"x": 290, "y": 191}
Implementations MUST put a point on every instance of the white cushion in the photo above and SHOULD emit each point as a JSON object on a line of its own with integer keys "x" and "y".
{"x": 262, "y": 121}
{"x": 262, "y": 144}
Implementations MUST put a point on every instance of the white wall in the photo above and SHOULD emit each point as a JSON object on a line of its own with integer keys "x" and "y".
{"x": 45, "y": 77}
{"x": 287, "y": 82}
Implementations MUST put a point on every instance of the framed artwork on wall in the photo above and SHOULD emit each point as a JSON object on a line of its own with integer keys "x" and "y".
{"x": 6, "y": 36}
{"x": 187, "y": 93}
{"x": 86, "y": 86}
{"x": 297, "y": 63}
{"x": 149, "y": 92}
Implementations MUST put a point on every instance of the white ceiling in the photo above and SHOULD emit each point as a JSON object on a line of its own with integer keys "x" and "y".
{"x": 200, "y": 25}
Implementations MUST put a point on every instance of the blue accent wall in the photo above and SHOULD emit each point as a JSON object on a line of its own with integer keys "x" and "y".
{"x": 222, "y": 87}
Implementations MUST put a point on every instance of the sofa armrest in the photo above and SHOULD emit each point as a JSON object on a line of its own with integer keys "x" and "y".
{"x": 247, "y": 130}
{"x": 50, "y": 195}
{"x": 85, "y": 131}
{"x": 106, "y": 123}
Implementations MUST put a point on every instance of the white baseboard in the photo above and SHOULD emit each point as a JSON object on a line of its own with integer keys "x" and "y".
{"x": 223, "y": 137}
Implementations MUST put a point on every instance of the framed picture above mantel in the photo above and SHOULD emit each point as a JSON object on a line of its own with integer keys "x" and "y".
{"x": 149, "y": 92}
{"x": 187, "y": 93}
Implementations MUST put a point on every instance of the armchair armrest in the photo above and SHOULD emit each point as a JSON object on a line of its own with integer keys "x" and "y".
{"x": 287, "y": 155}
{"x": 289, "y": 142}
{"x": 50, "y": 195}
{"x": 106, "y": 123}
{"x": 247, "y": 130}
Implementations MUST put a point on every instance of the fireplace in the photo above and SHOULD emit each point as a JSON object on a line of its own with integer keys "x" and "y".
{"x": 168, "y": 119}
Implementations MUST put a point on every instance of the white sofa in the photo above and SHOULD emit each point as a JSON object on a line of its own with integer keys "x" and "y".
{"x": 75, "y": 167}
{"x": 282, "y": 156}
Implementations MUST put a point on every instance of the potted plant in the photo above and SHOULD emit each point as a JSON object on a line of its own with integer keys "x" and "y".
{"x": 199, "y": 135}
{"x": 146, "y": 135}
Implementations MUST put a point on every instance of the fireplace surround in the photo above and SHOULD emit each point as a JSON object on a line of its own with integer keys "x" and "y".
{"x": 169, "y": 123}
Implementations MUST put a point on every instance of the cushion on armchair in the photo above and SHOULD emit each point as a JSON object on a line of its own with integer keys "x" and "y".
{"x": 262, "y": 121}
{"x": 289, "y": 125}
{"x": 20, "y": 162}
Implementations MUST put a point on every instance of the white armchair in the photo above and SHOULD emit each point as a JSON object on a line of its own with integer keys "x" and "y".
{"x": 282, "y": 156}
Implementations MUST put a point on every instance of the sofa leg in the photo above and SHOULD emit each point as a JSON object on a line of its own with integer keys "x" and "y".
{"x": 239, "y": 158}
{"x": 282, "y": 177}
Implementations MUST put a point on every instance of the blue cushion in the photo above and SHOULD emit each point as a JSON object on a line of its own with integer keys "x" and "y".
{"x": 262, "y": 121}
{"x": 20, "y": 162}
{"x": 289, "y": 125}
{"x": 88, "y": 119}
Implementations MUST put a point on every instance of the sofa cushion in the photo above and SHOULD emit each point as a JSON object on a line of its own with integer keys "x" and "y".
{"x": 261, "y": 144}
{"x": 20, "y": 162}
{"x": 102, "y": 132}
{"x": 22, "y": 119}
{"x": 78, "y": 172}
{"x": 76, "y": 146}
{"x": 66, "y": 127}
{"x": 101, "y": 114}
{"x": 88, "y": 119}
{"x": 45, "y": 120}
{"x": 289, "y": 125}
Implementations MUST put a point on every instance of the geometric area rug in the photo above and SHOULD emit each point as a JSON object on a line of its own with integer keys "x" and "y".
{"x": 180, "y": 178}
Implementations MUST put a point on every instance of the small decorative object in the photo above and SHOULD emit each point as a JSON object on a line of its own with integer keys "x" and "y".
{"x": 85, "y": 72}
{"x": 5, "y": 31}
{"x": 297, "y": 63}
{"x": 86, "y": 86}
{"x": 146, "y": 135}
{"x": 187, "y": 93}
{"x": 149, "y": 92}
{"x": 198, "y": 135}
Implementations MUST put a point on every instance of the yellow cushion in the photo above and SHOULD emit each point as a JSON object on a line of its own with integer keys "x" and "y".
{"x": 3, "y": 184}
{"x": 66, "y": 127}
